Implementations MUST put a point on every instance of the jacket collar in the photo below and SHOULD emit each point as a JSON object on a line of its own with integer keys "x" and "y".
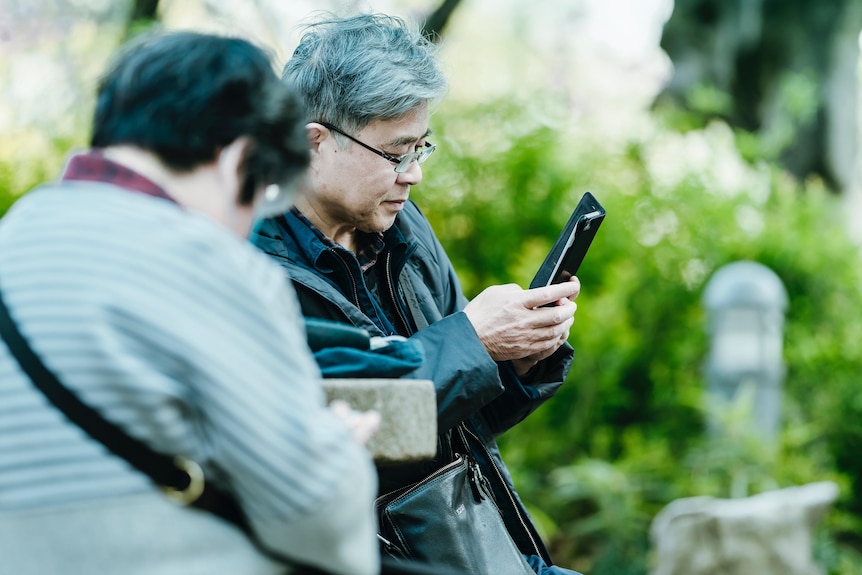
{"x": 292, "y": 237}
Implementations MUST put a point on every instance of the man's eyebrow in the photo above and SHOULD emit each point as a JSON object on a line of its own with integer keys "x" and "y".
{"x": 407, "y": 140}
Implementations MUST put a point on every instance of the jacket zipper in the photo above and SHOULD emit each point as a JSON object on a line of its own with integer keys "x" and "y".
{"x": 352, "y": 279}
{"x": 481, "y": 486}
{"x": 508, "y": 492}
{"x": 391, "y": 285}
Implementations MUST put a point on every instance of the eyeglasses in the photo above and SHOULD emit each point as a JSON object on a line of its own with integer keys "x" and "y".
{"x": 402, "y": 163}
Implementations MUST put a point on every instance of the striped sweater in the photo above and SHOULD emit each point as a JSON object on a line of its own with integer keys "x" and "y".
{"x": 187, "y": 338}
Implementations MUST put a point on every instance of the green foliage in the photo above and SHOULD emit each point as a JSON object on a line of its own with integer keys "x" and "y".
{"x": 33, "y": 149}
{"x": 28, "y": 158}
{"x": 624, "y": 436}
{"x": 795, "y": 107}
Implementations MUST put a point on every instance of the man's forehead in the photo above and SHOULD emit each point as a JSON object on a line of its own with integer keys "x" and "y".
{"x": 409, "y": 138}
{"x": 405, "y": 130}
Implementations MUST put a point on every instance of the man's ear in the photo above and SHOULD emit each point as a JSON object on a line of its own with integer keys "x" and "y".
{"x": 230, "y": 165}
{"x": 316, "y": 134}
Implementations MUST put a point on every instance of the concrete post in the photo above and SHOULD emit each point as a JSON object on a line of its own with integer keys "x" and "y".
{"x": 745, "y": 303}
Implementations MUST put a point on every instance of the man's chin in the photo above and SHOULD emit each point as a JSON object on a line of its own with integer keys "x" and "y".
{"x": 378, "y": 227}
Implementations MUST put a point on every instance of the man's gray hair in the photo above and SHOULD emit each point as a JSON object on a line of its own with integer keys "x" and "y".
{"x": 368, "y": 67}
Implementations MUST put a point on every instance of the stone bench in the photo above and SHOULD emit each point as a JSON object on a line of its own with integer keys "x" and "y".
{"x": 408, "y": 410}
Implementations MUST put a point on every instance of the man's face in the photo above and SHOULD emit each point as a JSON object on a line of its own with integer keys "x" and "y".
{"x": 354, "y": 189}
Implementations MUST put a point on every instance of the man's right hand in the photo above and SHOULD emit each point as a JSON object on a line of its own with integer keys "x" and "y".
{"x": 512, "y": 324}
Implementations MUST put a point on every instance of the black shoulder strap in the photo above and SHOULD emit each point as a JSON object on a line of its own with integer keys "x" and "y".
{"x": 180, "y": 478}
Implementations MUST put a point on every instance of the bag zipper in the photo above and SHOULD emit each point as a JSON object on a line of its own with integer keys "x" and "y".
{"x": 508, "y": 492}
{"x": 393, "y": 496}
{"x": 391, "y": 548}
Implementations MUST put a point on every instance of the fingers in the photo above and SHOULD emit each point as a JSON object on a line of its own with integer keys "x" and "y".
{"x": 537, "y": 297}
{"x": 554, "y": 315}
{"x": 540, "y": 338}
{"x": 362, "y": 424}
{"x": 340, "y": 408}
{"x": 546, "y": 349}
{"x": 367, "y": 423}
{"x": 513, "y": 323}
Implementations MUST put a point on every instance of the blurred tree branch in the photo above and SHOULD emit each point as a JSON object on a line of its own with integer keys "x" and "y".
{"x": 437, "y": 20}
{"x": 144, "y": 10}
{"x": 142, "y": 16}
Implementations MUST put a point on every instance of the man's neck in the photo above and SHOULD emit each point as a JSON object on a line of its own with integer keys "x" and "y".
{"x": 345, "y": 236}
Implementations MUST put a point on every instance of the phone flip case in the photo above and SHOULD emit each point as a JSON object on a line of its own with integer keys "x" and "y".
{"x": 571, "y": 246}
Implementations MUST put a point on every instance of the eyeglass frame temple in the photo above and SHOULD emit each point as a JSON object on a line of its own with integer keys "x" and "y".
{"x": 394, "y": 159}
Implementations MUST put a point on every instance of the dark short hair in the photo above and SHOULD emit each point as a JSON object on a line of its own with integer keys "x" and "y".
{"x": 185, "y": 95}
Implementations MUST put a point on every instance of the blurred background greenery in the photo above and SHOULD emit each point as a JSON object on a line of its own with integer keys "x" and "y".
{"x": 742, "y": 152}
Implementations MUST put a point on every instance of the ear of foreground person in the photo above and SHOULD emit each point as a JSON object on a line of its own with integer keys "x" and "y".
{"x": 131, "y": 280}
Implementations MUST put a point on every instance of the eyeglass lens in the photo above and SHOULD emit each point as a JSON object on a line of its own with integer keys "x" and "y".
{"x": 419, "y": 155}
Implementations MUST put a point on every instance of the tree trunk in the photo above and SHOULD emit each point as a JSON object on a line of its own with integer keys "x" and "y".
{"x": 788, "y": 68}
{"x": 142, "y": 15}
{"x": 144, "y": 10}
{"x": 436, "y": 22}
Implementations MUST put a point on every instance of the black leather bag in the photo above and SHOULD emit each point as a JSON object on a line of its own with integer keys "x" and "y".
{"x": 450, "y": 519}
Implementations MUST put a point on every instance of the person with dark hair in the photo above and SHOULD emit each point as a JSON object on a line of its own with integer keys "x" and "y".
{"x": 359, "y": 251}
{"x": 131, "y": 282}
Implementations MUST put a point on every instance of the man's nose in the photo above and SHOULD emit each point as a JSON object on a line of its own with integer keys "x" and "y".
{"x": 412, "y": 175}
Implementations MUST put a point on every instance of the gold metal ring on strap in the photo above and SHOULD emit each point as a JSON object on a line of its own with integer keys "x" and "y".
{"x": 195, "y": 487}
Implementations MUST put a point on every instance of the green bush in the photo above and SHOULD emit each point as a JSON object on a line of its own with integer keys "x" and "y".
{"x": 624, "y": 436}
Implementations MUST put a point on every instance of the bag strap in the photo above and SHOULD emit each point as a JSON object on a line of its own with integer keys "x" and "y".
{"x": 180, "y": 478}
{"x": 454, "y": 441}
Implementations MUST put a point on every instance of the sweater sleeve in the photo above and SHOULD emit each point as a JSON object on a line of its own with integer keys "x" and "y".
{"x": 306, "y": 486}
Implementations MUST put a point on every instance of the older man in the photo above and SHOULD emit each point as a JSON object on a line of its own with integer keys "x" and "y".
{"x": 359, "y": 251}
{"x": 131, "y": 280}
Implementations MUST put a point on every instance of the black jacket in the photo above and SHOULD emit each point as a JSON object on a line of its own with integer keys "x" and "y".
{"x": 424, "y": 300}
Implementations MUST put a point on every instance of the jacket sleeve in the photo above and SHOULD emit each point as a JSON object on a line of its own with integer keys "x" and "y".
{"x": 466, "y": 378}
{"x": 524, "y": 394}
{"x": 464, "y": 375}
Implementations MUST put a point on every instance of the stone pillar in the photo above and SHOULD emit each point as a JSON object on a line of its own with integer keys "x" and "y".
{"x": 745, "y": 304}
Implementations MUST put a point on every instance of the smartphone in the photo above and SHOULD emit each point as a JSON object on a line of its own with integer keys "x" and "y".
{"x": 564, "y": 259}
